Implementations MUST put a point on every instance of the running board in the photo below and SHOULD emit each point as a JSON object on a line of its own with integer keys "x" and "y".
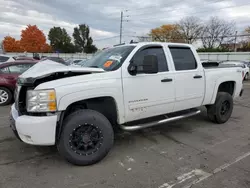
{"x": 155, "y": 123}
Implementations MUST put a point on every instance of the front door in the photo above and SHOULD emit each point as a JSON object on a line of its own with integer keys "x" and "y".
{"x": 189, "y": 78}
{"x": 9, "y": 77}
{"x": 147, "y": 95}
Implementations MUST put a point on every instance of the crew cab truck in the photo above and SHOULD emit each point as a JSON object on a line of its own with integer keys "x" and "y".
{"x": 129, "y": 86}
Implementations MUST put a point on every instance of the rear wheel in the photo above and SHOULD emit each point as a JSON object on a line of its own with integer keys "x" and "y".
{"x": 222, "y": 109}
{"x": 87, "y": 137}
{"x": 246, "y": 76}
{"x": 5, "y": 96}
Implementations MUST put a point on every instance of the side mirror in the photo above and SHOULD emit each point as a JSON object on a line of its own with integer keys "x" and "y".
{"x": 150, "y": 64}
{"x": 132, "y": 69}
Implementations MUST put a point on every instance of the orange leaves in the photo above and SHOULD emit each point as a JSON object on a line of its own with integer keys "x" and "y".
{"x": 32, "y": 40}
{"x": 166, "y": 33}
{"x": 11, "y": 44}
{"x": 46, "y": 48}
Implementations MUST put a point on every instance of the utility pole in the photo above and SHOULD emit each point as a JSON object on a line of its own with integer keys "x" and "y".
{"x": 121, "y": 27}
{"x": 235, "y": 41}
{"x": 121, "y": 24}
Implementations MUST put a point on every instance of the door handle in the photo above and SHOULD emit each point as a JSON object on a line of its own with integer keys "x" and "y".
{"x": 197, "y": 76}
{"x": 167, "y": 80}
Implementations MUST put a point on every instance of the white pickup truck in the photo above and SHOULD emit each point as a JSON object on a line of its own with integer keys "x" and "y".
{"x": 129, "y": 86}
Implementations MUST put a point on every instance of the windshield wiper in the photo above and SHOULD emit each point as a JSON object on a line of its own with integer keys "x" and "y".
{"x": 94, "y": 66}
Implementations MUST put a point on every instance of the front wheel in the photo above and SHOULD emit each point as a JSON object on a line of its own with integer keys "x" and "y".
{"x": 222, "y": 109}
{"x": 87, "y": 137}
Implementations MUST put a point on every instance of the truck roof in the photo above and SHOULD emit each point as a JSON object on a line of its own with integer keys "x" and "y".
{"x": 160, "y": 43}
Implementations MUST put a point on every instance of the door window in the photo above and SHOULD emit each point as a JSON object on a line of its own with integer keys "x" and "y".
{"x": 156, "y": 51}
{"x": 183, "y": 58}
{"x": 19, "y": 69}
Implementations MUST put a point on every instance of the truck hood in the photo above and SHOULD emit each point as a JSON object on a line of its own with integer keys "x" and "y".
{"x": 52, "y": 71}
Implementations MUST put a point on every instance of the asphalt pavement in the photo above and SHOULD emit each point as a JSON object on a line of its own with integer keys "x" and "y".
{"x": 189, "y": 153}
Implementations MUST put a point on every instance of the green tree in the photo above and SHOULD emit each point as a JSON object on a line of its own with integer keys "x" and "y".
{"x": 60, "y": 40}
{"x": 83, "y": 41}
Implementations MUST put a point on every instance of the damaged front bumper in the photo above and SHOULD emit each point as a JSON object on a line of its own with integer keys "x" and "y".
{"x": 35, "y": 130}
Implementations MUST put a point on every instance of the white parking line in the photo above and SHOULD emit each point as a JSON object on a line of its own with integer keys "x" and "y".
{"x": 200, "y": 175}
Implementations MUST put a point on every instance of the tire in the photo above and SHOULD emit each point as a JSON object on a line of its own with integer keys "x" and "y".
{"x": 222, "y": 109}
{"x": 246, "y": 76}
{"x": 6, "y": 97}
{"x": 76, "y": 126}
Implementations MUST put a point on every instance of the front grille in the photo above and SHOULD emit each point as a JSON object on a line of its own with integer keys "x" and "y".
{"x": 16, "y": 96}
{"x": 22, "y": 100}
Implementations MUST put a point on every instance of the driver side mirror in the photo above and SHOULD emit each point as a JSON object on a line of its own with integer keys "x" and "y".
{"x": 148, "y": 66}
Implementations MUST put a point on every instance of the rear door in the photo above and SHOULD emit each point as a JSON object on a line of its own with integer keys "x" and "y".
{"x": 11, "y": 72}
{"x": 8, "y": 77}
{"x": 189, "y": 78}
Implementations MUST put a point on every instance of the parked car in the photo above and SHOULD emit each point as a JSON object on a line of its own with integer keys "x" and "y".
{"x": 6, "y": 58}
{"x": 247, "y": 63}
{"x": 8, "y": 78}
{"x": 56, "y": 59}
{"x": 25, "y": 58}
{"x": 80, "y": 63}
{"x": 245, "y": 68}
{"x": 131, "y": 86}
{"x": 73, "y": 61}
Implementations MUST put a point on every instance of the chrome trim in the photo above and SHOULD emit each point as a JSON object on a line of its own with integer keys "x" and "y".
{"x": 155, "y": 123}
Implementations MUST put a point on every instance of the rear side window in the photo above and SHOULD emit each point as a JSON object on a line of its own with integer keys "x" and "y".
{"x": 183, "y": 58}
{"x": 3, "y": 58}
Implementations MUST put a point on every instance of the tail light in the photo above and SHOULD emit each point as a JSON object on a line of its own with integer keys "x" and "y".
{"x": 243, "y": 74}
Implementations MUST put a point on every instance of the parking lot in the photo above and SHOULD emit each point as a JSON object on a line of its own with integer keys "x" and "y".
{"x": 190, "y": 153}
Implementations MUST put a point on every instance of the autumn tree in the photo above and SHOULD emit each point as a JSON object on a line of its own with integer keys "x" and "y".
{"x": 190, "y": 28}
{"x": 32, "y": 39}
{"x": 10, "y": 44}
{"x": 60, "y": 40}
{"x": 167, "y": 33}
{"x": 82, "y": 39}
{"x": 216, "y": 33}
{"x": 46, "y": 48}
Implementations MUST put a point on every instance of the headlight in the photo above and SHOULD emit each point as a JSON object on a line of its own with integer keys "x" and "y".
{"x": 41, "y": 101}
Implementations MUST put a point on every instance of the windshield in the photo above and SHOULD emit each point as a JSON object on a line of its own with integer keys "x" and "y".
{"x": 109, "y": 59}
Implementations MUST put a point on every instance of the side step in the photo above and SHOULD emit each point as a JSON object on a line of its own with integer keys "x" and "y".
{"x": 159, "y": 122}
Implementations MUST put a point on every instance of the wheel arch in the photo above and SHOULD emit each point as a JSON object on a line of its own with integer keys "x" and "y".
{"x": 224, "y": 86}
{"x": 106, "y": 105}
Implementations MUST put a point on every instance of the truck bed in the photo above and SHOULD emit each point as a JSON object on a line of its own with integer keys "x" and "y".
{"x": 217, "y": 65}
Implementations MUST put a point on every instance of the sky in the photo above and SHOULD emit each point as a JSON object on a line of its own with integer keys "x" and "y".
{"x": 103, "y": 17}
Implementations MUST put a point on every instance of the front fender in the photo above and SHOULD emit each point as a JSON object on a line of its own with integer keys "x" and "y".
{"x": 115, "y": 93}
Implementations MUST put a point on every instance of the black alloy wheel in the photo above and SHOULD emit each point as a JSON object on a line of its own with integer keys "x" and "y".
{"x": 86, "y": 139}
